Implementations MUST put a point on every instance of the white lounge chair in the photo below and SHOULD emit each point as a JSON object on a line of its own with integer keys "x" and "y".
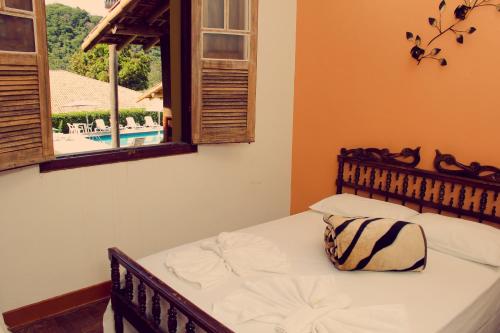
{"x": 148, "y": 122}
{"x": 131, "y": 124}
{"x": 100, "y": 126}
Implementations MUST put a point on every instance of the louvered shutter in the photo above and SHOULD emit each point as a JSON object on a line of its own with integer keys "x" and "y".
{"x": 224, "y": 59}
{"x": 25, "y": 124}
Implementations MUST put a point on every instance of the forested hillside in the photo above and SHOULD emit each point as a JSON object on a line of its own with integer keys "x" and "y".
{"x": 67, "y": 27}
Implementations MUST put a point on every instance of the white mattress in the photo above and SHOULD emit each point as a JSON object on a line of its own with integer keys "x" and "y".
{"x": 3, "y": 328}
{"x": 451, "y": 296}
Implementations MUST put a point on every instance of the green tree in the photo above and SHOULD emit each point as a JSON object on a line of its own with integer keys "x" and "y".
{"x": 155, "y": 73}
{"x": 67, "y": 27}
{"x": 134, "y": 66}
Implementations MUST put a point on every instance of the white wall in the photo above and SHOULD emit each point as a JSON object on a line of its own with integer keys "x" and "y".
{"x": 55, "y": 228}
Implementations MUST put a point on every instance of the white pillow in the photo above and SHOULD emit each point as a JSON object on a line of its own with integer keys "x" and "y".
{"x": 353, "y": 205}
{"x": 463, "y": 239}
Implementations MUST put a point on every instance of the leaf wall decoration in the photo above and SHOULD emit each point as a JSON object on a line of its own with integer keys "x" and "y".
{"x": 461, "y": 13}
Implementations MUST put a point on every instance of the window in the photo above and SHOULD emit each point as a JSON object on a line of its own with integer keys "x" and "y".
{"x": 25, "y": 130}
{"x": 225, "y": 29}
{"x": 25, "y": 5}
{"x": 224, "y": 69}
{"x": 208, "y": 69}
{"x": 20, "y": 37}
{"x": 115, "y": 130}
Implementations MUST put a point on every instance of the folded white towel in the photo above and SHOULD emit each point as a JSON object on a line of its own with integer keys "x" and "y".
{"x": 307, "y": 305}
{"x": 229, "y": 253}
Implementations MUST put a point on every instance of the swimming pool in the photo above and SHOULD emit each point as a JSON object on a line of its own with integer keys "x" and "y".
{"x": 128, "y": 139}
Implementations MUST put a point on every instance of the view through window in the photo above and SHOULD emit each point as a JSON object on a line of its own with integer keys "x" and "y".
{"x": 80, "y": 89}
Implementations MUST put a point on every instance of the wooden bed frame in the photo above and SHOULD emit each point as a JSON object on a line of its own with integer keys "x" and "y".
{"x": 470, "y": 191}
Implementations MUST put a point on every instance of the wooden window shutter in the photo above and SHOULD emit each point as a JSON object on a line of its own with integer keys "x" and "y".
{"x": 224, "y": 65}
{"x": 25, "y": 118}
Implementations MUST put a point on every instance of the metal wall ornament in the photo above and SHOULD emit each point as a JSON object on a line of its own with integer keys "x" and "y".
{"x": 419, "y": 52}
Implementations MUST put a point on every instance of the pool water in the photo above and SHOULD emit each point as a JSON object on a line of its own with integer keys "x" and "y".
{"x": 128, "y": 139}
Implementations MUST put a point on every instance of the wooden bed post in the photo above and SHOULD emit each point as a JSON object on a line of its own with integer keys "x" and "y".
{"x": 115, "y": 285}
{"x": 340, "y": 175}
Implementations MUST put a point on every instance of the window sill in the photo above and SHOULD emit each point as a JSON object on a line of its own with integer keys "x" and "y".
{"x": 116, "y": 156}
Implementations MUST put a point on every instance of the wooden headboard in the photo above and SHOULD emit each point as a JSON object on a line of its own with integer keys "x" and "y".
{"x": 469, "y": 191}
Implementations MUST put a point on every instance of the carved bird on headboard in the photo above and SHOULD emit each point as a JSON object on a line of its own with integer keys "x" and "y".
{"x": 385, "y": 156}
{"x": 474, "y": 170}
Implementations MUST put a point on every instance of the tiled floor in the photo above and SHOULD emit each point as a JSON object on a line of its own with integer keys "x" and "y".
{"x": 87, "y": 319}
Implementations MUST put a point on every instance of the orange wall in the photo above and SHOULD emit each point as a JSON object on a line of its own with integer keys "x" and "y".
{"x": 356, "y": 86}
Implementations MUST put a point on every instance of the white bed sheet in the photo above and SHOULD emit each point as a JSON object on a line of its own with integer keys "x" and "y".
{"x": 451, "y": 296}
{"x": 3, "y": 327}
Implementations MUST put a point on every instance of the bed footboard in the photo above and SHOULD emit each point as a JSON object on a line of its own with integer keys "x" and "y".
{"x": 124, "y": 307}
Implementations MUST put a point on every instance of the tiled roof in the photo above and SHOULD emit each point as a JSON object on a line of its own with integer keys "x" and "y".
{"x": 71, "y": 92}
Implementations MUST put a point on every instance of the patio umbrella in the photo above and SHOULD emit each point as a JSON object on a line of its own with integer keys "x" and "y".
{"x": 83, "y": 105}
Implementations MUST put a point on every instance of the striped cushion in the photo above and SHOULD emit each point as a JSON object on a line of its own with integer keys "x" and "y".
{"x": 374, "y": 244}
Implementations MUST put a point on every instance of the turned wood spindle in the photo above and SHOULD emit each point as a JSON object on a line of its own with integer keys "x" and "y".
{"x": 190, "y": 328}
{"x": 406, "y": 183}
{"x": 349, "y": 179}
{"x": 172, "y": 319}
{"x": 442, "y": 190}
{"x": 340, "y": 177}
{"x": 118, "y": 322}
{"x": 423, "y": 190}
{"x": 129, "y": 286}
{"x": 372, "y": 181}
{"x": 461, "y": 198}
{"x": 494, "y": 209}
{"x": 357, "y": 176}
{"x": 365, "y": 176}
{"x": 115, "y": 274}
{"x": 483, "y": 203}
{"x": 141, "y": 297}
{"x": 156, "y": 309}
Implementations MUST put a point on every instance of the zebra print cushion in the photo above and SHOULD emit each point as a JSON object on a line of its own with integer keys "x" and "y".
{"x": 375, "y": 244}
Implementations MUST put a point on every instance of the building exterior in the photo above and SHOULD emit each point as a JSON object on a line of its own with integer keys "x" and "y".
{"x": 71, "y": 92}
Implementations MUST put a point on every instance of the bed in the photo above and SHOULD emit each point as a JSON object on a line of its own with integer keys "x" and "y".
{"x": 453, "y": 295}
